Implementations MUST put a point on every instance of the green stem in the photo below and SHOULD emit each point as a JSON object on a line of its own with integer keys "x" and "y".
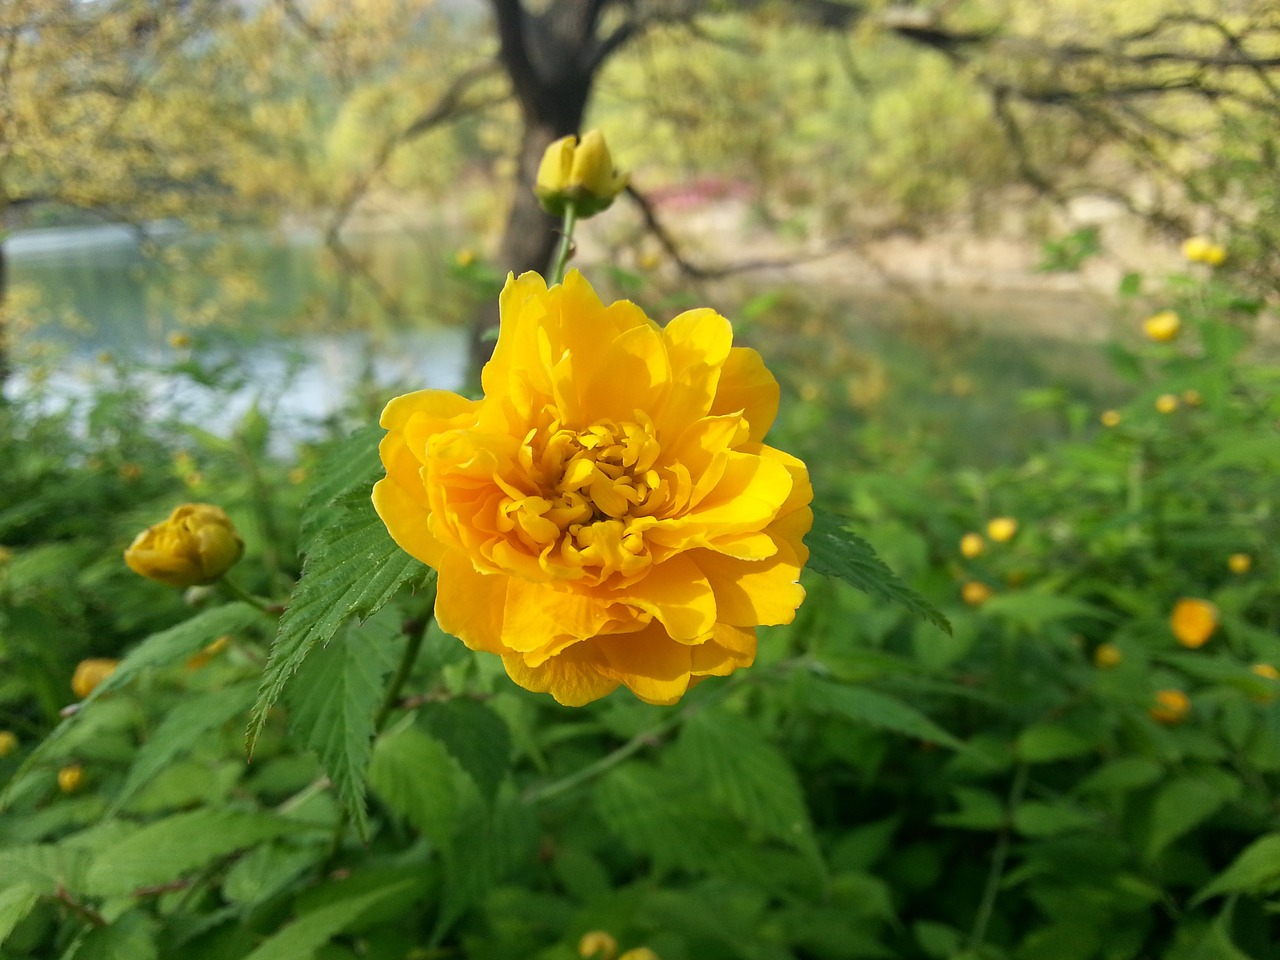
{"x": 998, "y": 859}
{"x": 565, "y": 249}
{"x": 407, "y": 660}
{"x": 236, "y": 592}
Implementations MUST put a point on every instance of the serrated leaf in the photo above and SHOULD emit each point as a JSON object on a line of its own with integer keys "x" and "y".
{"x": 180, "y": 730}
{"x": 412, "y": 774}
{"x": 158, "y": 650}
{"x": 266, "y": 870}
{"x": 168, "y": 849}
{"x": 334, "y": 701}
{"x": 301, "y": 939}
{"x": 476, "y": 737}
{"x": 872, "y": 708}
{"x": 745, "y": 774}
{"x": 352, "y": 464}
{"x": 1256, "y": 871}
{"x": 131, "y": 936}
{"x": 45, "y": 867}
{"x": 16, "y": 902}
{"x": 835, "y": 552}
{"x": 353, "y": 569}
{"x": 1047, "y": 742}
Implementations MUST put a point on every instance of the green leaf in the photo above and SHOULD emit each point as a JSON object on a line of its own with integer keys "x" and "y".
{"x": 411, "y": 773}
{"x": 1032, "y": 609}
{"x": 835, "y": 552}
{"x": 158, "y": 650}
{"x": 1122, "y": 776}
{"x": 16, "y": 902}
{"x": 131, "y": 936}
{"x": 180, "y": 730}
{"x": 45, "y": 867}
{"x": 168, "y": 849}
{"x": 334, "y": 701}
{"x": 979, "y": 810}
{"x": 875, "y": 709}
{"x": 1034, "y": 818}
{"x": 747, "y": 775}
{"x": 301, "y": 939}
{"x": 476, "y": 737}
{"x": 1256, "y": 871}
{"x": 1047, "y": 742}
{"x": 351, "y": 465}
{"x": 1186, "y": 802}
{"x": 353, "y": 569}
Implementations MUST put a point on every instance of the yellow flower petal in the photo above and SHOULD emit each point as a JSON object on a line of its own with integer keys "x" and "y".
{"x": 747, "y": 386}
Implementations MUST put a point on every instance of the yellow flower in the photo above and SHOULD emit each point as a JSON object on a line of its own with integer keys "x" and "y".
{"x": 179, "y": 340}
{"x": 71, "y": 779}
{"x": 640, "y": 953}
{"x": 1193, "y": 621}
{"x": 1192, "y": 398}
{"x": 90, "y": 673}
{"x": 196, "y": 545}
{"x": 597, "y": 945}
{"x": 1203, "y": 250}
{"x": 1171, "y": 706}
{"x": 578, "y": 173}
{"x": 1265, "y": 670}
{"x": 975, "y": 593}
{"x": 8, "y": 742}
{"x": 972, "y": 545}
{"x": 1166, "y": 403}
{"x": 1162, "y": 327}
{"x": 1239, "y": 563}
{"x": 1110, "y": 418}
{"x": 198, "y": 661}
{"x": 1106, "y": 656}
{"x": 608, "y": 513}
{"x": 464, "y": 257}
{"x": 1002, "y": 529}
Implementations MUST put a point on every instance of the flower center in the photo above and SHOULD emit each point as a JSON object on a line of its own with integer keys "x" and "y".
{"x": 594, "y": 485}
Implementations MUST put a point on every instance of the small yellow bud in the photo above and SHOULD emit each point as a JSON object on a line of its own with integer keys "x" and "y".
{"x": 1193, "y": 621}
{"x": 975, "y": 593}
{"x": 1166, "y": 403}
{"x": 90, "y": 673}
{"x": 1239, "y": 563}
{"x": 1203, "y": 250}
{"x": 195, "y": 546}
{"x": 1107, "y": 655}
{"x": 1192, "y": 398}
{"x": 130, "y": 472}
{"x": 5, "y": 555}
{"x": 297, "y": 475}
{"x": 1171, "y": 706}
{"x": 1162, "y": 327}
{"x": 8, "y": 742}
{"x": 200, "y": 660}
{"x": 71, "y": 779}
{"x": 650, "y": 260}
{"x": 1002, "y": 529}
{"x": 597, "y": 945}
{"x": 1110, "y": 418}
{"x": 179, "y": 340}
{"x": 576, "y": 173}
{"x": 640, "y": 953}
{"x": 972, "y": 545}
{"x": 464, "y": 257}
{"x": 1265, "y": 670}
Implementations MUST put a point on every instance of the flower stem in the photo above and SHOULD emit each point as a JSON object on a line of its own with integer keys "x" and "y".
{"x": 410, "y": 656}
{"x": 998, "y": 859}
{"x": 565, "y": 249}
{"x": 236, "y": 592}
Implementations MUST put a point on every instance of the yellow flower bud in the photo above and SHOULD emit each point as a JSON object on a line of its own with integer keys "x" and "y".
{"x": 202, "y": 659}
{"x": 1166, "y": 403}
{"x": 90, "y": 673}
{"x": 1107, "y": 655}
{"x": 1002, "y": 529}
{"x": 1171, "y": 706}
{"x": 1193, "y": 621}
{"x": 1265, "y": 670}
{"x": 640, "y": 953}
{"x": 576, "y": 173}
{"x": 1192, "y": 398}
{"x": 179, "y": 340}
{"x": 1162, "y": 327}
{"x": 975, "y": 593}
{"x": 1110, "y": 418}
{"x": 1203, "y": 250}
{"x": 8, "y": 742}
{"x": 71, "y": 779}
{"x": 1239, "y": 563}
{"x": 464, "y": 257}
{"x": 196, "y": 545}
{"x": 597, "y": 945}
{"x": 972, "y": 545}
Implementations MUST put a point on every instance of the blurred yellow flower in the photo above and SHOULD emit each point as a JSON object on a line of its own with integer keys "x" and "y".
{"x": 1192, "y": 398}
{"x": 1002, "y": 529}
{"x": 8, "y": 742}
{"x": 297, "y": 475}
{"x": 1162, "y": 327}
{"x": 975, "y": 593}
{"x": 1171, "y": 706}
{"x": 1110, "y": 418}
{"x": 1106, "y": 656}
{"x": 196, "y": 545}
{"x": 71, "y": 778}
{"x": 179, "y": 340}
{"x": 597, "y": 945}
{"x": 640, "y": 953}
{"x": 464, "y": 257}
{"x": 90, "y": 673}
{"x": 1193, "y": 621}
{"x": 1203, "y": 250}
{"x": 5, "y": 555}
{"x": 649, "y": 261}
{"x": 1265, "y": 670}
{"x": 202, "y": 659}
{"x": 972, "y": 545}
{"x": 1239, "y": 563}
{"x": 1166, "y": 403}
{"x": 607, "y": 514}
{"x": 581, "y": 174}
{"x": 130, "y": 472}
